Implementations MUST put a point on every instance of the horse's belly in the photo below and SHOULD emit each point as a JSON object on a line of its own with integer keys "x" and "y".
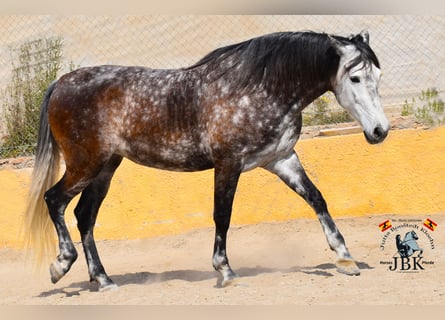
{"x": 173, "y": 158}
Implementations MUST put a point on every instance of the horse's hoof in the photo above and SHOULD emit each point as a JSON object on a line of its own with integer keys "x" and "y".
{"x": 348, "y": 267}
{"x": 108, "y": 287}
{"x": 230, "y": 280}
{"x": 234, "y": 282}
{"x": 56, "y": 272}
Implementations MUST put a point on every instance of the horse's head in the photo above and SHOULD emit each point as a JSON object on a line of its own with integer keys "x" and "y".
{"x": 356, "y": 85}
{"x": 413, "y": 235}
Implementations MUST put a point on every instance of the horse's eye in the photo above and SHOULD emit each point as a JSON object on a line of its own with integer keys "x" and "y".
{"x": 355, "y": 79}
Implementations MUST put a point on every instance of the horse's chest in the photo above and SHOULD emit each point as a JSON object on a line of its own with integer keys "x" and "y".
{"x": 273, "y": 144}
{"x": 253, "y": 129}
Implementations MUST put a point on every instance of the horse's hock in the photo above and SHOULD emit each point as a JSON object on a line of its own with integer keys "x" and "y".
{"x": 403, "y": 175}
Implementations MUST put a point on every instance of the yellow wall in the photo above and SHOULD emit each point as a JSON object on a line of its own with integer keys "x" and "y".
{"x": 404, "y": 175}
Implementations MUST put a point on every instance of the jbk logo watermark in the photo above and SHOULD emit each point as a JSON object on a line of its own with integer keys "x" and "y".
{"x": 404, "y": 242}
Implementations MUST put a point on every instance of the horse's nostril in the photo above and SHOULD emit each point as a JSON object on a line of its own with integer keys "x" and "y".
{"x": 378, "y": 132}
{"x": 377, "y": 135}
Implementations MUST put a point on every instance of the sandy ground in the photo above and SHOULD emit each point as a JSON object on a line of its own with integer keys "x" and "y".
{"x": 279, "y": 263}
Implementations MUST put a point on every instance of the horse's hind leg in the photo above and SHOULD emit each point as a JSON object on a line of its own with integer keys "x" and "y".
{"x": 57, "y": 199}
{"x": 76, "y": 178}
{"x": 226, "y": 180}
{"x": 289, "y": 169}
{"x": 86, "y": 213}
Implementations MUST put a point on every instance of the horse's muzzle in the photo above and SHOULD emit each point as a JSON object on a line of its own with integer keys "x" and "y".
{"x": 378, "y": 135}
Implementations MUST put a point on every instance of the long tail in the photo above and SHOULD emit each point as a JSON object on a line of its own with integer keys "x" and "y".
{"x": 39, "y": 233}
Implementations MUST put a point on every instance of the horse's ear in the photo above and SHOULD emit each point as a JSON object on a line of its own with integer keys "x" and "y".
{"x": 336, "y": 45}
{"x": 362, "y": 36}
{"x": 365, "y": 36}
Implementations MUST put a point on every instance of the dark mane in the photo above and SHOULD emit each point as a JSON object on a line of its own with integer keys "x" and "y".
{"x": 279, "y": 62}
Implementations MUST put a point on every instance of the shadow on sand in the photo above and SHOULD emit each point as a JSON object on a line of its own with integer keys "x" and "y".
{"x": 147, "y": 278}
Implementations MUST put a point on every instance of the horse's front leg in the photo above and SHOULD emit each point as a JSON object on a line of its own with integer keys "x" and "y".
{"x": 226, "y": 181}
{"x": 420, "y": 255}
{"x": 289, "y": 169}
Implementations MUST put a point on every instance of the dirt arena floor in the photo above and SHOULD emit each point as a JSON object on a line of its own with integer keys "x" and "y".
{"x": 278, "y": 263}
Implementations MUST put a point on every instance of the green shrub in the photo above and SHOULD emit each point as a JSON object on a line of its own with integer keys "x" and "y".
{"x": 37, "y": 65}
{"x": 428, "y": 108}
{"x": 320, "y": 113}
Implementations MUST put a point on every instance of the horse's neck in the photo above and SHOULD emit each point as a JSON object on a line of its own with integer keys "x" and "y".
{"x": 304, "y": 99}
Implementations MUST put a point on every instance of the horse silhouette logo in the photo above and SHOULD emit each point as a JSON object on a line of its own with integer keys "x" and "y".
{"x": 408, "y": 246}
